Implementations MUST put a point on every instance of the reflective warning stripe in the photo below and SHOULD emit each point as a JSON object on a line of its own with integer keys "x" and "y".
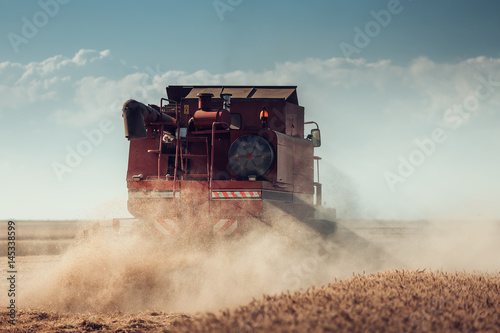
{"x": 236, "y": 194}
{"x": 225, "y": 226}
{"x": 167, "y": 227}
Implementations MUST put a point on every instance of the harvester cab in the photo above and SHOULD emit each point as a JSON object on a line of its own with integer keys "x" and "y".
{"x": 218, "y": 159}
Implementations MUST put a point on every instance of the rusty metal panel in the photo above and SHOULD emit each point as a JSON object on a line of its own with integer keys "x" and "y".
{"x": 250, "y": 112}
{"x": 288, "y": 93}
{"x": 273, "y": 93}
{"x": 294, "y": 120}
{"x": 237, "y": 92}
{"x": 139, "y": 160}
{"x": 303, "y": 166}
{"x": 197, "y": 90}
{"x": 284, "y": 172}
{"x": 277, "y": 187}
{"x": 277, "y": 196}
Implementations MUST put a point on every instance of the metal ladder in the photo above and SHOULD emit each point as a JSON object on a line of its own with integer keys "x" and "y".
{"x": 182, "y": 154}
{"x": 185, "y": 156}
{"x": 175, "y": 110}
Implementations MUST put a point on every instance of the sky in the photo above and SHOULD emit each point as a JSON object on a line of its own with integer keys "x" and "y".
{"x": 406, "y": 93}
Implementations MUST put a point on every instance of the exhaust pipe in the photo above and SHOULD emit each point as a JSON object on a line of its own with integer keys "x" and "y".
{"x": 137, "y": 115}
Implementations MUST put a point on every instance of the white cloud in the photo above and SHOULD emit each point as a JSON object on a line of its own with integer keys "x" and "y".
{"x": 83, "y": 56}
{"x": 78, "y": 86}
{"x": 370, "y": 114}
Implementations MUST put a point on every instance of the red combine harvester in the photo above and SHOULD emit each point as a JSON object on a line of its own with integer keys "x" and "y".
{"x": 218, "y": 159}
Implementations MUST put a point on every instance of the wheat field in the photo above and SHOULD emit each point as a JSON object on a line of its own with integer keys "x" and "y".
{"x": 390, "y": 301}
{"x": 442, "y": 278}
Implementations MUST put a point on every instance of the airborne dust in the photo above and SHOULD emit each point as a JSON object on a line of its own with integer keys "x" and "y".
{"x": 134, "y": 272}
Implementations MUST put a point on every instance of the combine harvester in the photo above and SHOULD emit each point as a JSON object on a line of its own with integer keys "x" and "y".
{"x": 220, "y": 159}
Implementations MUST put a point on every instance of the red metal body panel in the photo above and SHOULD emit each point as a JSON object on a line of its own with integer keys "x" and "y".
{"x": 172, "y": 176}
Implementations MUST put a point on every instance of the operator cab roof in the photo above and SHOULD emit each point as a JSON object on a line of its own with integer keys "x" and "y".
{"x": 287, "y": 93}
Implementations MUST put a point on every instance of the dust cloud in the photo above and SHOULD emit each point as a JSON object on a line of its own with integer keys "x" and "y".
{"x": 132, "y": 272}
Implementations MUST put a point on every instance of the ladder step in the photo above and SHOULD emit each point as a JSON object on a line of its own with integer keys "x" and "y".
{"x": 165, "y": 123}
{"x": 194, "y": 156}
{"x": 184, "y": 157}
{"x": 157, "y": 152}
{"x": 193, "y": 138}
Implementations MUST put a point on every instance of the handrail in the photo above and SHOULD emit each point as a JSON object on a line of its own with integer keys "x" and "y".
{"x": 211, "y": 175}
{"x": 177, "y": 143}
{"x": 312, "y": 122}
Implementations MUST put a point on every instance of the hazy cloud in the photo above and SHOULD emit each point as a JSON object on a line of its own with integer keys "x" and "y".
{"x": 370, "y": 113}
{"x": 423, "y": 88}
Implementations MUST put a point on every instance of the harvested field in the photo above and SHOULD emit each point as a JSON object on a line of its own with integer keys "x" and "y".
{"x": 392, "y": 301}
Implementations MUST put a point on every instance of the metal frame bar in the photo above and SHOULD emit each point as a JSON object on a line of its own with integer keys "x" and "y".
{"x": 211, "y": 175}
{"x": 177, "y": 143}
{"x": 317, "y": 184}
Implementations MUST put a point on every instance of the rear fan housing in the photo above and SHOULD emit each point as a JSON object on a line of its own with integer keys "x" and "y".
{"x": 251, "y": 155}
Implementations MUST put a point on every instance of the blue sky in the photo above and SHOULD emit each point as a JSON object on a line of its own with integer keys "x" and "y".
{"x": 70, "y": 74}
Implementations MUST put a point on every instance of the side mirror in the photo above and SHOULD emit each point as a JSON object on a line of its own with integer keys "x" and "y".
{"x": 316, "y": 137}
